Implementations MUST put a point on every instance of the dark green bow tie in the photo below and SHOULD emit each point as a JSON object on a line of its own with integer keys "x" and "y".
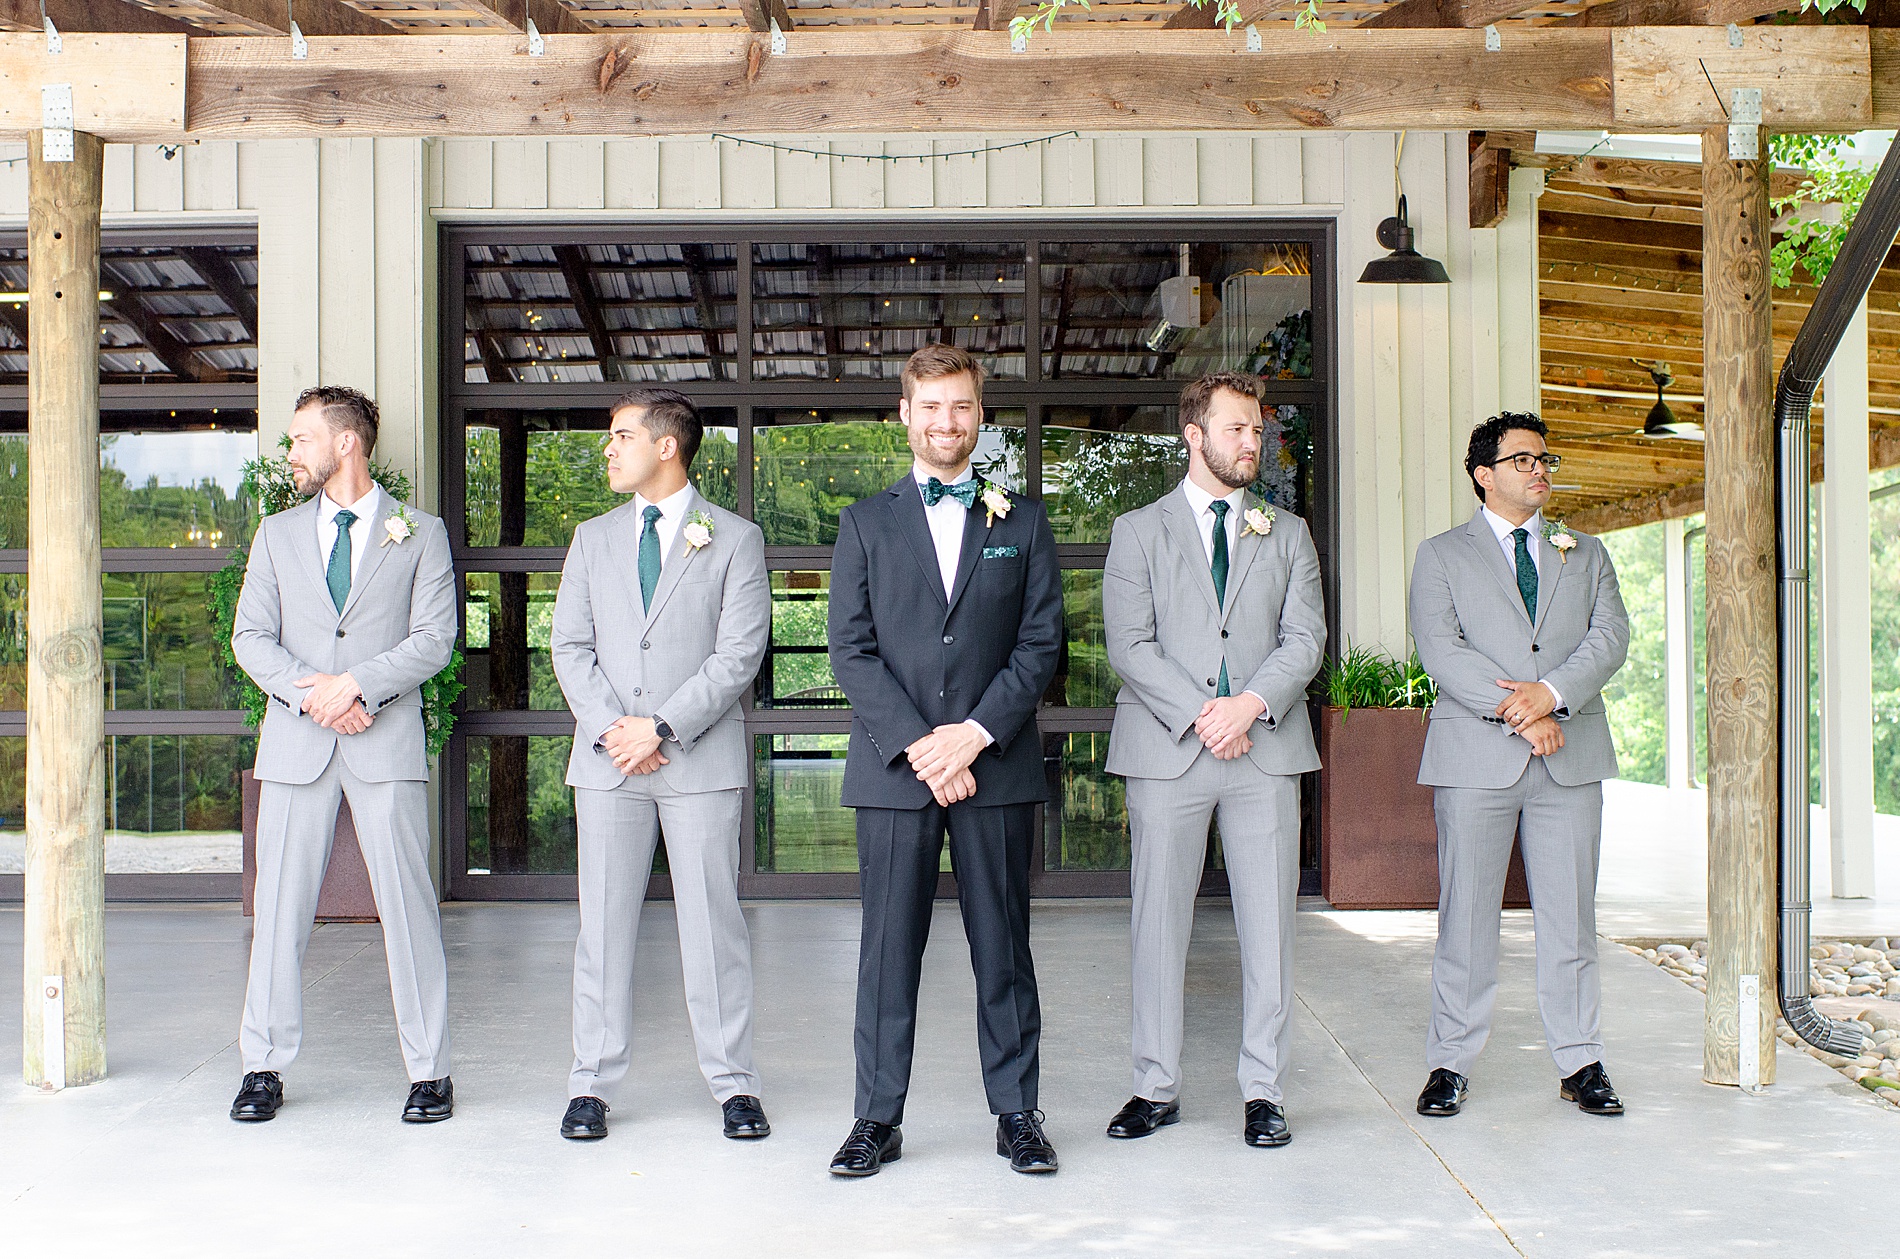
{"x": 963, "y": 491}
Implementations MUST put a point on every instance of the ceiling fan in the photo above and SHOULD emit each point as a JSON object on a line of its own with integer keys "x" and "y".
{"x": 1661, "y": 422}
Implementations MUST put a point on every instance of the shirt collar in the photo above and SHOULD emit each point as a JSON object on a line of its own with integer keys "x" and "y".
{"x": 672, "y": 507}
{"x": 1502, "y": 527}
{"x": 364, "y": 507}
{"x": 920, "y": 474}
{"x": 1200, "y": 500}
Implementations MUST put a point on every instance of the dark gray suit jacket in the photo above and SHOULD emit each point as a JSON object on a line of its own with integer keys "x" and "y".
{"x": 909, "y": 660}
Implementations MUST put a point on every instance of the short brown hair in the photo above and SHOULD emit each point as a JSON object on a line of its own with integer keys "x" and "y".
{"x": 1199, "y": 396}
{"x": 666, "y": 413}
{"x": 935, "y": 361}
{"x": 345, "y": 408}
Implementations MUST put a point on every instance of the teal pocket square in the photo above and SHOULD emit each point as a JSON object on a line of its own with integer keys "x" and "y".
{"x": 1000, "y": 552}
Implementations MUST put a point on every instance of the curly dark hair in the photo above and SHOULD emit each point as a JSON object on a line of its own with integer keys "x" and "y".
{"x": 1486, "y": 438}
{"x": 345, "y": 408}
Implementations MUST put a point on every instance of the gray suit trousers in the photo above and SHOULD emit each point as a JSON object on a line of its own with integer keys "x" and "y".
{"x": 1560, "y": 830}
{"x": 1259, "y": 816}
{"x": 617, "y": 833}
{"x": 295, "y": 827}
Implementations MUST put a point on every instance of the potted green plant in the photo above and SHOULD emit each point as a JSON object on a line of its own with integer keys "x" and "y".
{"x": 346, "y": 892}
{"x": 1378, "y": 846}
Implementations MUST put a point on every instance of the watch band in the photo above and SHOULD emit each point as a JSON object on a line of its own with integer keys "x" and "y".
{"x": 664, "y": 731}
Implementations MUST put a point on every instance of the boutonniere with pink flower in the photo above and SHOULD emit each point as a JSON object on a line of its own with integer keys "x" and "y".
{"x": 698, "y": 530}
{"x": 1558, "y": 534}
{"x": 398, "y": 527}
{"x": 995, "y": 502}
{"x": 1258, "y": 520}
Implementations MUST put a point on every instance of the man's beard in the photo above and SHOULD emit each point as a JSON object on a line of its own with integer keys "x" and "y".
{"x": 1227, "y": 471}
{"x": 316, "y": 476}
{"x": 928, "y": 456}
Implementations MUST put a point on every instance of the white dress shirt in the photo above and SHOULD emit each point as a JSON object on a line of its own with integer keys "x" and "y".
{"x": 946, "y": 518}
{"x": 1535, "y": 527}
{"x": 672, "y": 517}
{"x": 365, "y": 509}
{"x": 1203, "y": 504}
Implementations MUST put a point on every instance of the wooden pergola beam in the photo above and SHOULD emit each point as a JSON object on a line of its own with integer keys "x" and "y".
{"x": 95, "y": 16}
{"x": 314, "y": 17}
{"x": 219, "y": 272}
{"x": 760, "y": 14}
{"x": 1674, "y": 12}
{"x": 551, "y": 17}
{"x": 1205, "y": 17}
{"x": 1413, "y": 14}
{"x": 580, "y": 288}
{"x": 994, "y": 15}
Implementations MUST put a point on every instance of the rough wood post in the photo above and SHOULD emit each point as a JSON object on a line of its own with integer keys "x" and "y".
{"x": 65, "y": 707}
{"x": 1739, "y": 458}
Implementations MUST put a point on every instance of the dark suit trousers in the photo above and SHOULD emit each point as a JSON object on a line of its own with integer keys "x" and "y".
{"x": 899, "y": 853}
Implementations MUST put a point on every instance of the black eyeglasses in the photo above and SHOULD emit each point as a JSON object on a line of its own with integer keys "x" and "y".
{"x": 1524, "y": 461}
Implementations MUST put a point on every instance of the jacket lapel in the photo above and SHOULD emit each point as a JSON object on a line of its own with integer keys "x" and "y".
{"x": 1245, "y": 549}
{"x": 1491, "y": 556}
{"x": 300, "y": 527}
{"x": 678, "y": 559}
{"x": 1178, "y": 518}
{"x": 975, "y": 534}
{"x": 373, "y": 560}
{"x": 907, "y": 505}
{"x": 1550, "y": 570}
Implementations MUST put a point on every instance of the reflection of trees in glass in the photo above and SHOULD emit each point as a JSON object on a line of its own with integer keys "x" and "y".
{"x": 1094, "y": 812}
{"x": 800, "y": 825}
{"x": 173, "y": 784}
{"x": 1086, "y": 680}
{"x": 805, "y": 474}
{"x": 550, "y": 816}
{"x": 798, "y": 620}
{"x": 200, "y": 515}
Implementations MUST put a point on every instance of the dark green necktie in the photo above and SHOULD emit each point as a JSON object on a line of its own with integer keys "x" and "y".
{"x": 339, "y": 572}
{"x": 963, "y": 491}
{"x": 1220, "y": 507}
{"x": 649, "y": 558}
{"x": 1526, "y": 572}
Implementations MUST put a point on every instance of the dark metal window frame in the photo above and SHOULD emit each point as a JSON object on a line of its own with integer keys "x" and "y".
{"x": 744, "y": 396}
{"x": 160, "y": 395}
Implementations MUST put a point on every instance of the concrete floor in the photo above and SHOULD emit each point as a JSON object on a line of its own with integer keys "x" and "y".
{"x": 148, "y": 1164}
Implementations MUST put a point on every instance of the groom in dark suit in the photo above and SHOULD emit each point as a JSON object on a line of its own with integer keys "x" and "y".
{"x": 945, "y": 628}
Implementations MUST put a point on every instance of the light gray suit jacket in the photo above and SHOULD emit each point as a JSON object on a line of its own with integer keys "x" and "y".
{"x": 1167, "y": 635}
{"x": 686, "y": 662}
{"x": 1469, "y": 622}
{"x": 396, "y": 631}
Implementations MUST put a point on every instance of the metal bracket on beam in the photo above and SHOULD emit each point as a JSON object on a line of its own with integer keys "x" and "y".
{"x": 1734, "y": 35}
{"x": 1744, "y": 124}
{"x": 299, "y": 46}
{"x": 1018, "y": 42}
{"x": 536, "y": 45}
{"x": 54, "y": 46}
{"x": 1253, "y": 38}
{"x": 778, "y": 40}
{"x": 1493, "y": 42}
{"x": 56, "y": 122}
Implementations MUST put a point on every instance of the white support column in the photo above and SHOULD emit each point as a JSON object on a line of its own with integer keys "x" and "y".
{"x": 1678, "y": 662}
{"x": 1847, "y": 655}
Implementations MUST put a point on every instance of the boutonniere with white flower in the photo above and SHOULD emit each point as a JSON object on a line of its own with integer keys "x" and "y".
{"x": 698, "y": 530}
{"x": 398, "y": 527}
{"x": 1259, "y": 520}
{"x": 995, "y": 502}
{"x": 1558, "y": 534}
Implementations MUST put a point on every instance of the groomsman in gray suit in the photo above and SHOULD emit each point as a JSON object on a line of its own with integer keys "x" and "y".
{"x": 1521, "y": 625}
{"x": 1216, "y": 623}
{"x": 659, "y": 627}
{"x": 348, "y": 607}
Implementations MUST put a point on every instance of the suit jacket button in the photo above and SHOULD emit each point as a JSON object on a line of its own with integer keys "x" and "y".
{"x": 1535, "y": 647}
{"x": 949, "y": 638}
{"x": 636, "y": 690}
{"x": 1210, "y": 681}
{"x": 339, "y": 634}
{"x": 1223, "y": 633}
{"x": 646, "y": 646}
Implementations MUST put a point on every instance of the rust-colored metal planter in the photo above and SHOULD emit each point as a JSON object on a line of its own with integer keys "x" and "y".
{"x": 346, "y": 895}
{"x": 1378, "y": 846}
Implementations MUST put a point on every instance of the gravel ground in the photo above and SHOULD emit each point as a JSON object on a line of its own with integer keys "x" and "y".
{"x": 1866, "y": 973}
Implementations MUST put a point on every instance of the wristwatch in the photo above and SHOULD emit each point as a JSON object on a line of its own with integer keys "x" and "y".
{"x": 664, "y": 731}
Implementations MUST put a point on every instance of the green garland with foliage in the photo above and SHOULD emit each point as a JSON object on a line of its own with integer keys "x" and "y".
{"x": 268, "y": 483}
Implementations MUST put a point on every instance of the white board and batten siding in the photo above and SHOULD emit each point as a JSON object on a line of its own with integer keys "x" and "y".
{"x": 348, "y": 271}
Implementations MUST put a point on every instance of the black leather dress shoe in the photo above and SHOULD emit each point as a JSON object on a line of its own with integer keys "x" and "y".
{"x": 1141, "y": 1117}
{"x": 867, "y": 1149}
{"x": 1590, "y": 1090}
{"x": 1444, "y": 1093}
{"x": 1019, "y": 1139}
{"x": 585, "y": 1120}
{"x": 745, "y": 1118}
{"x": 430, "y": 1101}
{"x": 258, "y": 1097}
{"x": 1266, "y": 1124}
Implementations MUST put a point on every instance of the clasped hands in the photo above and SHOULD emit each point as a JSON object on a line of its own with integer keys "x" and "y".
{"x": 634, "y": 745}
{"x": 942, "y": 760}
{"x": 1527, "y": 712}
{"x": 1224, "y": 723}
{"x": 331, "y": 701}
